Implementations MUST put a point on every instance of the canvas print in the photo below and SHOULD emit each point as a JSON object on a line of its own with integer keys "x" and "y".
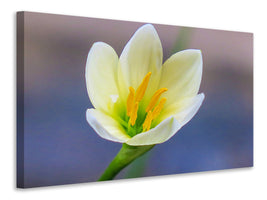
{"x": 101, "y": 100}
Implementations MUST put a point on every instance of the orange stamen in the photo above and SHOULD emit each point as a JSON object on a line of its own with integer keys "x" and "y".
{"x": 158, "y": 108}
{"x": 155, "y": 98}
{"x": 148, "y": 120}
{"x": 140, "y": 92}
{"x": 133, "y": 116}
{"x": 130, "y": 101}
{"x": 135, "y": 97}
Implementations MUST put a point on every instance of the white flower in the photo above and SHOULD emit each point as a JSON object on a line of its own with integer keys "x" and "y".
{"x": 138, "y": 100}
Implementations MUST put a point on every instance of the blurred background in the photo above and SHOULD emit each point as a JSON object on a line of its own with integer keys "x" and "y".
{"x": 61, "y": 148}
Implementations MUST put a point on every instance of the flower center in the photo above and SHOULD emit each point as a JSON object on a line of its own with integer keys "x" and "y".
{"x": 152, "y": 110}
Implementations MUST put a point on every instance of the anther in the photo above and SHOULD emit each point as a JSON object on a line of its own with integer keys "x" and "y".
{"x": 155, "y": 98}
{"x": 133, "y": 116}
{"x": 130, "y": 101}
{"x": 140, "y": 92}
{"x": 158, "y": 108}
{"x": 147, "y": 122}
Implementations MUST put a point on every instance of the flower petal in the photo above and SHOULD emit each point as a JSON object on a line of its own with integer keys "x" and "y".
{"x": 142, "y": 54}
{"x": 181, "y": 74}
{"x": 101, "y": 75}
{"x": 184, "y": 110}
{"x": 105, "y": 126}
{"x": 161, "y": 133}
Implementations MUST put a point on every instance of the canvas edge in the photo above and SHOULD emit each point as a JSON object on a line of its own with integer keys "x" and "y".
{"x": 20, "y": 99}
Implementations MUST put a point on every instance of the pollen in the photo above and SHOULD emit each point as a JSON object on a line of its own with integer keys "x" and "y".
{"x": 140, "y": 92}
{"x": 155, "y": 98}
{"x": 158, "y": 108}
{"x": 130, "y": 101}
{"x": 133, "y": 116}
{"x": 148, "y": 120}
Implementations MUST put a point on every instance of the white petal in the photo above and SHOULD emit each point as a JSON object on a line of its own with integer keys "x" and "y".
{"x": 101, "y": 74}
{"x": 105, "y": 126}
{"x": 161, "y": 133}
{"x": 183, "y": 110}
{"x": 142, "y": 54}
{"x": 182, "y": 74}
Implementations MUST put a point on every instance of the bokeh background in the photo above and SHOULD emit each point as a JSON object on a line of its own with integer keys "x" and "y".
{"x": 61, "y": 148}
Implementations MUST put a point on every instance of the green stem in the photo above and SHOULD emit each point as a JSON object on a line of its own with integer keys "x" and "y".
{"x": 126, "y": 155}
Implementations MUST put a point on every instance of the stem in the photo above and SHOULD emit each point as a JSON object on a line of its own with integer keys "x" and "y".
{"x": 126, "y": 155}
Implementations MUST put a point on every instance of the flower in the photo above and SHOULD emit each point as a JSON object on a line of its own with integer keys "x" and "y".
{"x": 138, "y": 100}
